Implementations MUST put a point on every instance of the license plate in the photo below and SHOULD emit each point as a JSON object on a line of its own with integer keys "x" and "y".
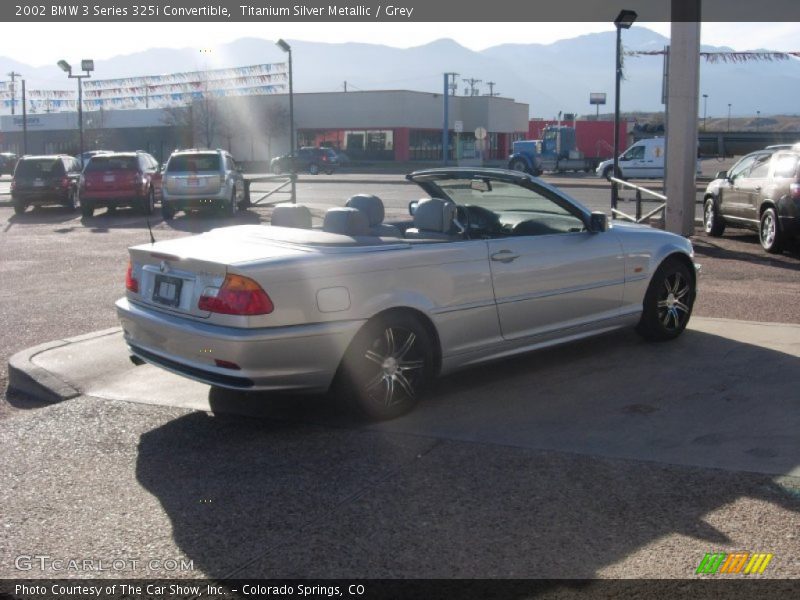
{"x": 167, "y": 290}
{"x": 38, "y": 183}
{"x": 193, "y": 182}
{"x": 108, "y": 178}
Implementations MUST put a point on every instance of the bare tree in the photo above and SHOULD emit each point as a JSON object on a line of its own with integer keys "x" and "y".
{"x": 276, "y": 124}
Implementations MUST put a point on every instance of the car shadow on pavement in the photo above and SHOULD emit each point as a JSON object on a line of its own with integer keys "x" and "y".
{"x": 202, "y": 221}
{"x": 557, "y": 464}
{"x": 39, "y": 215}
{"x": 706, "y": 246}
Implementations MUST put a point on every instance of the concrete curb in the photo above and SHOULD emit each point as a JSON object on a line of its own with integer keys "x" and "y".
{"x": 24, "y": 376}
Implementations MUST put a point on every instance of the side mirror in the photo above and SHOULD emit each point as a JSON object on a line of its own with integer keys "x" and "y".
{"x": 721, "y": 175}
{"x": 598, "y": 222}
{"x": 412, "y": 207}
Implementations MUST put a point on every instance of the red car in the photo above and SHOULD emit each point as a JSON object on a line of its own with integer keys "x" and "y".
{"x": 120, "y": 179}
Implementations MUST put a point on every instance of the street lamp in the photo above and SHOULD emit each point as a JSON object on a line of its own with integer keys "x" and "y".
{"x": 705, "y": 106}
{"x": 87, "y": 66}
{"x": 729, "y": 116}
{"x": 758, "y": 119}
{"x": 288, "y": 49}
{"x": 624, "y": 20}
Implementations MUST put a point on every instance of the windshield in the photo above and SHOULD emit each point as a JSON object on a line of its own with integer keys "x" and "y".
{"x": 193, "y": 163}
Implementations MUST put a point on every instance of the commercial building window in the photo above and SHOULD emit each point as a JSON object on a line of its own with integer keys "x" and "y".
{"x": 370, "y": 144}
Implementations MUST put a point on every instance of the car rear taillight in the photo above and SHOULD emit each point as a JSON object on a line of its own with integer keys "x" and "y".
{"x": 238, "y": 296}
{"x": 13, "y": 184}
{"x": 794, "y": 189}
{"x": 324, "y": 158}
{"x": 131, "y": 283}
{"x": 65, "y": 182}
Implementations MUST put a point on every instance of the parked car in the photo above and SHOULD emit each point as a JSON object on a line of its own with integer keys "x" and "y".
{"x": 8, "y": 161}
{"x": 202, "y": 179}
{"x": 760, "y": 192}
{"x": 117, "y": 179}
{"x": 492, "y": 263}
{"x": 308, "y": 159}
{"x": 643, "y": 160}
{"x": 40, "y": 180}
{"x": 86, "y": 156}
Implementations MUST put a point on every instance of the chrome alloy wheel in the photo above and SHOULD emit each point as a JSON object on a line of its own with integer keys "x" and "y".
{"x": 397, "y": 362}
{"x": 768, "y": 229}
{"x": 709, "y": 217}
{"x": 673, "y": 310}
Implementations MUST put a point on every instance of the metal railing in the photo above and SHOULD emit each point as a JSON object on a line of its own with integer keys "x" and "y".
{"x": 288, "y": 179}
{"x": 639, "y": 218}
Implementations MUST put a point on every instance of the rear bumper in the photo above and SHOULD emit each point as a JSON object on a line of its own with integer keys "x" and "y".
{"x": 199, "y": 200}
{"x": 300, "y": 357}
{"x": 46, "y": 196}
{"x": 112, "y": 198}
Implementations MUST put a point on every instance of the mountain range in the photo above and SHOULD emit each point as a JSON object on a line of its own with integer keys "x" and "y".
{"x": 549, "y": 77}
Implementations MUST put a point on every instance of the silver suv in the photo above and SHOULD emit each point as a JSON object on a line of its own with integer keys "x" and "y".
{"x": 201, "y": 179}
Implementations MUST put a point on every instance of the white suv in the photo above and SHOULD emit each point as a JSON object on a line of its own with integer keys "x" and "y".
{"x": 201, "y": 179}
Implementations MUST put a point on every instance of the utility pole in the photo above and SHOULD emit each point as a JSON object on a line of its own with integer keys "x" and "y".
{"x": 13, "y": 75}
{"x": 448, "y": 86}
{"x": 491, "y": 85}
{"x": 345, "y": 86}
{"x": 473, "y": 88}
{"x": 24, "y": 121}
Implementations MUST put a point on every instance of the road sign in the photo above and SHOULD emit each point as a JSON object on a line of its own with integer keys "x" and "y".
{"x": 458, "y": 126}
{"x": 480, "y": 133}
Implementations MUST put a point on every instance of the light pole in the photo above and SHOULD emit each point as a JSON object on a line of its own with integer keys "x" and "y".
{"x": 729, "y": 116}
{"x": 705, "y": 106}
{"x": 87, "y": 66}
{"x": 288, "y": 49}
{"x": 758, "y": 120}
{"x": 624, "y": 20}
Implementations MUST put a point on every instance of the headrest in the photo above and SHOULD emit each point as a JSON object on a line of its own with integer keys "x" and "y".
{"x": 435, "y": 214}
{"x": 291, "y": 215}
{"x": 369, "y": 204}
{"x": 346, "y": 221}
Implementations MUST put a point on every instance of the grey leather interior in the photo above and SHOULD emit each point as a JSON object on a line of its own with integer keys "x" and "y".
{"x": 291, "y": 215}
{"x": 372, "y": 207}
{"x": 346, "y": 221}
{"x": 433, "y": 219}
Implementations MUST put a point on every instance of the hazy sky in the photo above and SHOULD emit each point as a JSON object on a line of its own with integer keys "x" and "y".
{"x": 33, "y": 43}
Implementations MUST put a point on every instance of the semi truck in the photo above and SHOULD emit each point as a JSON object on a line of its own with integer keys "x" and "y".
{"x": 556, "y": 151}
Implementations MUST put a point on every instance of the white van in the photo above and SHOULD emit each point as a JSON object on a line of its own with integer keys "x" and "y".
{"x": 645, "y": 159}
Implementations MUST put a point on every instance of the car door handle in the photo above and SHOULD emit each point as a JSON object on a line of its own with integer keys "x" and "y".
{"x": 504, "y": 256}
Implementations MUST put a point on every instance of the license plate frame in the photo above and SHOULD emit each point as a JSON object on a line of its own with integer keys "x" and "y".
{"x": 167, "y": 290}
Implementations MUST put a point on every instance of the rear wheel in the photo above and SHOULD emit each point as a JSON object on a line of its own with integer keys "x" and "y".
{"x": 19, "y": 207}
{"x": 87, "y": 208}
{"x": 668, "y": 302}
{"x": 712, "y": 222}
{"x": 167, "y": 210}
{"x": 231, "y": 205}
{"x": 769, "y": 233}
{"x": 387, "y": 367}
{"x": 71, "y": 203}
{"x": 148, "y": 204}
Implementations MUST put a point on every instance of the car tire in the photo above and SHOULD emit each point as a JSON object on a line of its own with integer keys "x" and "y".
{"x": 87, "y": 209}
{"x": 313, "y": 169}
{"x": 71, "y": 203}
{"x": 148, "y": 204}
{"x": 769, "y": 232}
{"x": 668, "y": 302}
{"x": 19, "y": 207}
{"x": 607, "y": 173}
{"x": 231, "y": 205}
{"x": 167, "y": 211}
{"x": 329, "y": 171}
{"x": 387, "y": 367}
{"x": 518, "y": 165}
{"x": 712, "y": 221}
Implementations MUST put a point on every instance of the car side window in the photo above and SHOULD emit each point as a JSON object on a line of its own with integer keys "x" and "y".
{"x": 635, "y": 153}
{"x": 760, "y": 167}
{"x": 742, "y": 167}
{"x": 785, "y": 166}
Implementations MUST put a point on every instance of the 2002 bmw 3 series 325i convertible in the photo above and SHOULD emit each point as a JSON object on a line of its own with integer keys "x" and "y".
{"x": 490, "y": 264}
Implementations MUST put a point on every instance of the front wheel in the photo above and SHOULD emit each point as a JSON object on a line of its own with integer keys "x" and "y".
{"x": 769, "y": 233}
{"x": 87, "y": 209}
{"x": 313, "y": 168}
{"x": 712, "y": 222}
{"x": 518, "y": 165}
{"x": 668, "y": 302}
{"x": 167, "y": 210}
{"x": 387, "y": 367}
{"x": 148, "y": 203}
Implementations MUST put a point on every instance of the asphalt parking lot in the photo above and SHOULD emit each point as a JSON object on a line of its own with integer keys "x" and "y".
{"x": 637, "y": 458}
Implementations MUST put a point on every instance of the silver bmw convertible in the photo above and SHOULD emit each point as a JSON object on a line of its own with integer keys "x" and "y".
{"x": 489, "y": 263}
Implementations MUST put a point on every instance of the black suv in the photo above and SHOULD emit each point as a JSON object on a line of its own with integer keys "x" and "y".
{"x": 308, "y": 159}
{"x": 51, "y": 179}
{"x": 761, "y": 192}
